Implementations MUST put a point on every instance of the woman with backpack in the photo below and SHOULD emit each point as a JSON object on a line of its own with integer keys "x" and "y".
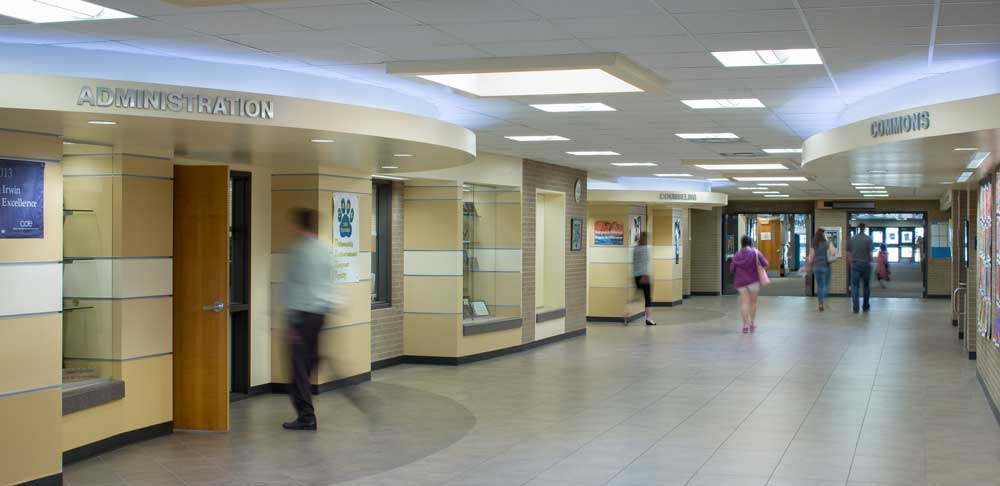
{"x": 749, "y": 269}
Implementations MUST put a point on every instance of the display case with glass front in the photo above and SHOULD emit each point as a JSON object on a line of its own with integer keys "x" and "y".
{"x": 491, "y": 253}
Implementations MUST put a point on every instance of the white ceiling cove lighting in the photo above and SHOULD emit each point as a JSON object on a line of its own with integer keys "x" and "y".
{"x": 672, "y": 175}
{"x": 634, "y": 164}
{"x": 783, "y": 150}
{"x": 707, "y": 136}
{"x": 44, "y": 11}
{"x": 571, "y": 107}
{"x": 537, "y": 138}
{"x": 741, "y": 166}
{"x": 724, "y": 103}
{"x": 772, "y": 179}
{"x": 776, "y": 195}
{"x": 768, "y": 57}
{"x": 977, "y": 160}
{"x": 535, "y": 75}
{"x": 964, "y": 176}
{"x": 587, "y": 153}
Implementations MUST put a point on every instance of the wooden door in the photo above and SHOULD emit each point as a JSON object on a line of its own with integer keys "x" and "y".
{"x": 769, "y": 242}
{"x": 201, "y": 293}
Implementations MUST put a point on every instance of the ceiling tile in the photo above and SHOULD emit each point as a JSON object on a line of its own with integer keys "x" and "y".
{"x": 677, "y": 60}
{"x": 409, "y": 36}
{"x": 970, "y": 14}
{"x": 525, "y": 30}
{"x": 869, "y": 18}
{"x": 126, "y": 29}
{"x": 235, "y": 22}
{"x": 589, "y": 8}
{"x": 744, "y": 21}
{"x": 447, "y": 11}
{"x": 649, "y": 25}
{"x": 107, "y": 46}
{"x": 967, "y": 34}
{"x": 335, "y": 54}
{"x": 361, "y": 16}
{"x": 785, "y": 39}
{"x": 693, "y": 6}
{"x": 860, "y": 3}
{"x": 889, "y": 37}
{"x": 148, "y": 8}
{"x": 41, "y": 34}
{"x": 534, "y": 48}
{"x": 402, "y": 52}
{"x": 288, "y": 41}
{"x": 646, "y": 45}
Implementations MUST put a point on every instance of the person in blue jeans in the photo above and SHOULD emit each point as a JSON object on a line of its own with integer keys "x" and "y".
{"x": 859, "y": 254}
{"x": 820, "y": 254}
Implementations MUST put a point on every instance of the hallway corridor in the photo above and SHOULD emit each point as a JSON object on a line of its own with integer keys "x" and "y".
{"x": 812, "y": 399}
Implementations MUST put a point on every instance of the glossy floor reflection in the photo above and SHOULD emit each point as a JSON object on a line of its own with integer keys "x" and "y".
{"x": 884, "y": 398}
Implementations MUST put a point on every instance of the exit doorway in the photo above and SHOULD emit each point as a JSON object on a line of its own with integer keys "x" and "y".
{"x": 783, "y": 239}
{"x": 904, "y": 238}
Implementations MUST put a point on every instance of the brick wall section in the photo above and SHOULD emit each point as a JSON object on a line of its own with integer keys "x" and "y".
{"x": 706, "y": 251}
{"x": 387, "y": 324}
{"x": 539, "y": 175}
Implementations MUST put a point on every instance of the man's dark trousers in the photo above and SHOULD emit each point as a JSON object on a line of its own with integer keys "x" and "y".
{"x": 305, "y": 358}
{"x": 861, "y": 278}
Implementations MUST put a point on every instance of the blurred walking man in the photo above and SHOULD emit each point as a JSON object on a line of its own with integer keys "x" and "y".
{"x": 859, "y": 255}
{"x": 309, "y": 296}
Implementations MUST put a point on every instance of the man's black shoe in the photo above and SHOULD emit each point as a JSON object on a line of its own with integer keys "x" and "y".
{"x": 866, "y": 308}
{"x": 297, "y": 425}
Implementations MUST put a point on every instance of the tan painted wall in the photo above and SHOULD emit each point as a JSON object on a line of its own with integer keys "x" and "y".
{"x": 611, "y": 293}
{"x": 30, "y": 398}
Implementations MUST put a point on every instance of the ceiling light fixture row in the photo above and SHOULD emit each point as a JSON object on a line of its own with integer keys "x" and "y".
{"x": 537, "y": 138}
{"x": 768, "y": 57}
{"x": 714, "y": 104}
{"x": 40, "y": 12}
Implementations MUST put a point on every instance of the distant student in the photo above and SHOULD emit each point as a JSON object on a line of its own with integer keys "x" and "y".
{"x": 746, "y": 267}
{"x": 859, "y": 255}
{"x": 640, "y": 272}
{"x": 820, "y": 255}
{"x": 882, "y": 266}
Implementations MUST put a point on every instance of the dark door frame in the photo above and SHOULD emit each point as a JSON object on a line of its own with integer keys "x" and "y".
{"x": 924, "y": 251}
{"x": 725, "y": 264}
{"x": 240, "y": 285}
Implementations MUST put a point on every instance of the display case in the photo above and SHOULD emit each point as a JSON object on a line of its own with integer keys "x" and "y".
{"x": 491, "y": 253}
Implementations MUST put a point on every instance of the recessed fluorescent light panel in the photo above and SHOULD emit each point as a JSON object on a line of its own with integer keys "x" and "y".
{"x": 772, "y": 179}
{"x": 44, "y": 11}
{"x": 741, "y": 166}
{"x": 708, "y": 136}
{"x": 402, "y": 155}
{"x": 856, "y": 184}
{"x": 773, "y": 184}
{"x": 965, "y": 149}
{"x": 776, "y": 195}
{"x": 535, "y": 75}
{"x": 766, "y": 192}
{"x": 964, "y": 176}
{"x": 389, "y": 167}
{"x": 672, "y": 175}
{"x": 768, "y": 57}
{"x": 870, "y": 188}
{"x": 321, "y": 140}
{"x": 718, "y": 179}
{"x": 724, "y": 103}
{"x": 586, "y": 153}
{"x": 977, "y": 160}
{"x": 783, "y": 150}
{"x": 572, "y": 107}
{"x": 874, "y": 195}
{"x": 102, "y": 122}
{"x": 634, "y": 164}
{"x": 537, "y": 138}
{"x": 748, "y": 188}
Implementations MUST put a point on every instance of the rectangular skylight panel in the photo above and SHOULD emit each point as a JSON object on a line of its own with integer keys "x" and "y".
{"x": 45, "y": 11}
{"x": 533, "y": 83}
{"x": 768, "y": 57}
{"x": 741, "y": 166}
{"x": 724, "y": 103}
{"x": 705, "y": 136}
{"x": 536, "y": 138}
{"x": 586, "y": 153}
{"x": 572, "y": 107}
{"x": 977, "y": 160}
{"x": 964, "y": 176}
{"x": 772, "y": 179}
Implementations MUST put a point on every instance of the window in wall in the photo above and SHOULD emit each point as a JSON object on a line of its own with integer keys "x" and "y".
{"x": 239, "y": 285}
{"x": 381, "y": 264}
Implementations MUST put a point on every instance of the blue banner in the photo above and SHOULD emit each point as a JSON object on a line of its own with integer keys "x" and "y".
{"x": 22, "y": 199}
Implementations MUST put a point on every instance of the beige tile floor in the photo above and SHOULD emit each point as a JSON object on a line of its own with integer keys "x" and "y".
{"x": 886, "y": 398}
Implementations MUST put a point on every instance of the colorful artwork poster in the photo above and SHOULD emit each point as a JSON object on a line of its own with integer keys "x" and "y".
{"x": 609, "y": 233}
{"x": 346, "y": 237}
{"x": 636, "y": 230}
{"x": 984, "y": 252}
{"x": 995, "y": 322}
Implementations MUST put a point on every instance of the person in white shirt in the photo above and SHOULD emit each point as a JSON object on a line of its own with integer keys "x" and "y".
{"x": 309, "y": 297}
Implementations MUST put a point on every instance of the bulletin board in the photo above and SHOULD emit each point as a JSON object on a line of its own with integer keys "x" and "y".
{"x": 984, "y": 252}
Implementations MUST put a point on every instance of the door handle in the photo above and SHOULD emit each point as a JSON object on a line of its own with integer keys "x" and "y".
{"x": 215, "y": 307}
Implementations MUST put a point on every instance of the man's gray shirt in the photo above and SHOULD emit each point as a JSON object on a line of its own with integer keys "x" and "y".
{"x": 860, "y": 247}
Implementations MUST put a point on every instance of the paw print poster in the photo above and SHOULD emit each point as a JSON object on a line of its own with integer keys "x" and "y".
{"x": 346, "y": 237}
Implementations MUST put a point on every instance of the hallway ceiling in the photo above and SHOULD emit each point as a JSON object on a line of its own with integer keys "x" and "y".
{"x": 868, "y": 46}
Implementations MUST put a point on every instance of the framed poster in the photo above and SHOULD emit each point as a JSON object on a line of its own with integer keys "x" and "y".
{"x": 765, "y": 236}
{"x": 609, "y": 233}
{"x": 575, "y": 234}
{"x": 892, "y": 236}
{"x": 346, "y": 237}
{"x": 678, "y": 234}
{"x": 22, "y": 199}
{"x": 995, "y": 321}
{"x": 906, "y": 237}
{"x": 984, "y": 256}
{"x": 833, "y": 235}
{"x": 636, "y": 230}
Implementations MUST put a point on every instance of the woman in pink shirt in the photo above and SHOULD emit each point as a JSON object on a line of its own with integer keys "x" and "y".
{"x": 746, "y": 278}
